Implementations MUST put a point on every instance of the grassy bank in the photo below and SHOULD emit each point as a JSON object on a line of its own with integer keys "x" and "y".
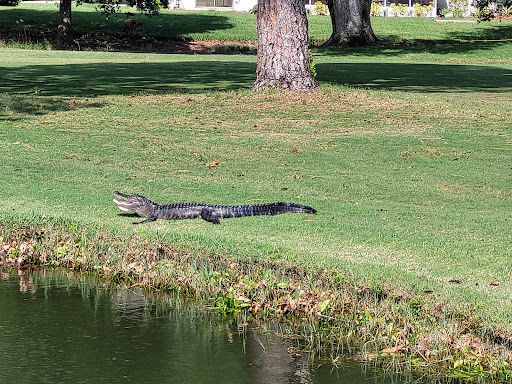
{"x": 405, "y": 154}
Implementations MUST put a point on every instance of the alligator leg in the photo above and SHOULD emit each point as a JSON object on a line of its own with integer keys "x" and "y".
{"x": 149, "y": 220}
{"x": 209, "y": 215}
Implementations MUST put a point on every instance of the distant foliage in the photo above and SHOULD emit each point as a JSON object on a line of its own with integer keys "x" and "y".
{"x": 375, "y": 9}
{"x": 9, "y": 3}
{"x": 131, "y": 26}
{"x": 487, "y": 9}
{"x": 110, "y": 7}
{"x": 400, "y": 9}
{"x": 459, "y": 8}
{"x": 148, "y": 7}
{"x": 320, "y": 8}
{"x": 422, "y": 10}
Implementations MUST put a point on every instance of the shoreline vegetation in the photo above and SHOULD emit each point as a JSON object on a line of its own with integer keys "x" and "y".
{"x": 404, "y": 151}
{"x": 329, "y": 317}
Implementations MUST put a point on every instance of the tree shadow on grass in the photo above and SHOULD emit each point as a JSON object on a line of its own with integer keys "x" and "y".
{"x": 456, "y": 42}
{"x": 169, "y": 26}
{"x": 418, "y": 77}
{"x": 16, "y": 106}
{"x": 86, "y": 80}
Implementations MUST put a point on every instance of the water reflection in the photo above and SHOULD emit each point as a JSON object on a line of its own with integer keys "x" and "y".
{"x": 61, "y": 327}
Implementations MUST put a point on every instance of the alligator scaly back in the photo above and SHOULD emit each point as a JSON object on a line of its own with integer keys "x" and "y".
{"x": 209, "y": 212}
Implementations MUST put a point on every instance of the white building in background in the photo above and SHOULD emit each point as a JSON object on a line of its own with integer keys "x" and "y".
{"x": 248, "y": 5}
{"x": 232, "y": 5}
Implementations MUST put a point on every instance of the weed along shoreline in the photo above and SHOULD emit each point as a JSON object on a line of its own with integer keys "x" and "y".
{"x": 330, "y": 317}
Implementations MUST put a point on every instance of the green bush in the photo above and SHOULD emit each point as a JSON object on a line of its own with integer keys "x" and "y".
{"x": 459, "y": 8}
{"x": 10, "y": 3}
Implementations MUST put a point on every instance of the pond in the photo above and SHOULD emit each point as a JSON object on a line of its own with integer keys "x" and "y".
{"x": 61, "y": 327}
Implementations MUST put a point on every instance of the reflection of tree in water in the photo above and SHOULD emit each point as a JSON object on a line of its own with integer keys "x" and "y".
{"x": 26, "y": 282}
{"x": 275, "y": 365}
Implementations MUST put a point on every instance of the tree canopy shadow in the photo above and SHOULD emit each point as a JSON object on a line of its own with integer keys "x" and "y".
{"x": 86, "y": 80}
{"x": 173, "y": 26}
{"x": 419, "y": 77}
{"x": 15, "y": 106}
{"x": 456, "y": 42}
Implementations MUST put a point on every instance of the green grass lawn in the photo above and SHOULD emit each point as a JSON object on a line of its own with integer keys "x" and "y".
{"x": 405, "y": 151}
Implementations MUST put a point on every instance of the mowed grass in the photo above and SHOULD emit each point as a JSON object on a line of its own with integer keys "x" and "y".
{"x": 406, "y": 157}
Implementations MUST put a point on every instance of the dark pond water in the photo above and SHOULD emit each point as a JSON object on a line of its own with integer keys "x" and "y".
{"x": 60, "y": 327}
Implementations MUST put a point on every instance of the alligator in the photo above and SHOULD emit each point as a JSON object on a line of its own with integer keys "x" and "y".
{"x": 209, "y": 212}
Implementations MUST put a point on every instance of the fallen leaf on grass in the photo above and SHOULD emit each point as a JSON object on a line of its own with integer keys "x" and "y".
{"x": 214, "y": 163}
{"x": 244, "y": 299}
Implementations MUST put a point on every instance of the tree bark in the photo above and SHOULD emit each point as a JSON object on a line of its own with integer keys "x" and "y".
{"x": 351, "y": 23}
{"x": 64, "y": 28}
{"x": 283, "y": 52}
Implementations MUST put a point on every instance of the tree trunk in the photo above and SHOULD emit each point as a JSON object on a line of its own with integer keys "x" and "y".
{"x": 351, "y": 22}
{"x": 283, "y": 52}
{"x": 64, "y": 29}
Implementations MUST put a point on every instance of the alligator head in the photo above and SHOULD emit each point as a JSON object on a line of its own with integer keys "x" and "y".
{"x": 135, "y": 203}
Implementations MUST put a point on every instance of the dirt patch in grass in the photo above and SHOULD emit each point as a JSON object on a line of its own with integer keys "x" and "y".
{"x": 150, "y": 44}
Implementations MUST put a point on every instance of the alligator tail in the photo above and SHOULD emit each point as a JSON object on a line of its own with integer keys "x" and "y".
{"x": 214, "y": 213}
{"x": 269, "y": 209}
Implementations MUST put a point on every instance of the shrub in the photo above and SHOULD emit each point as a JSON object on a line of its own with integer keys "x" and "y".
{"x": 320, "y": 8}
{"x": 422, "y": 10}
{"x": 10, "y": 3}
{"x": 444, "y": 12}
{"x": 375, "y": 9}
{"x": 483, "y": 14}
{"x": 487, "y": 9}
{"x": 507, "y": 11}
{"x": 399, "y": 9}
{"x": 458, "y": 7}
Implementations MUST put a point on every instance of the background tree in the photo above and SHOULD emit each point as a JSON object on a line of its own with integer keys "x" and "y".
{"x": 283, "y": 52}
{"x": 64, "y": 29}
{"x": 351, "y": 23}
